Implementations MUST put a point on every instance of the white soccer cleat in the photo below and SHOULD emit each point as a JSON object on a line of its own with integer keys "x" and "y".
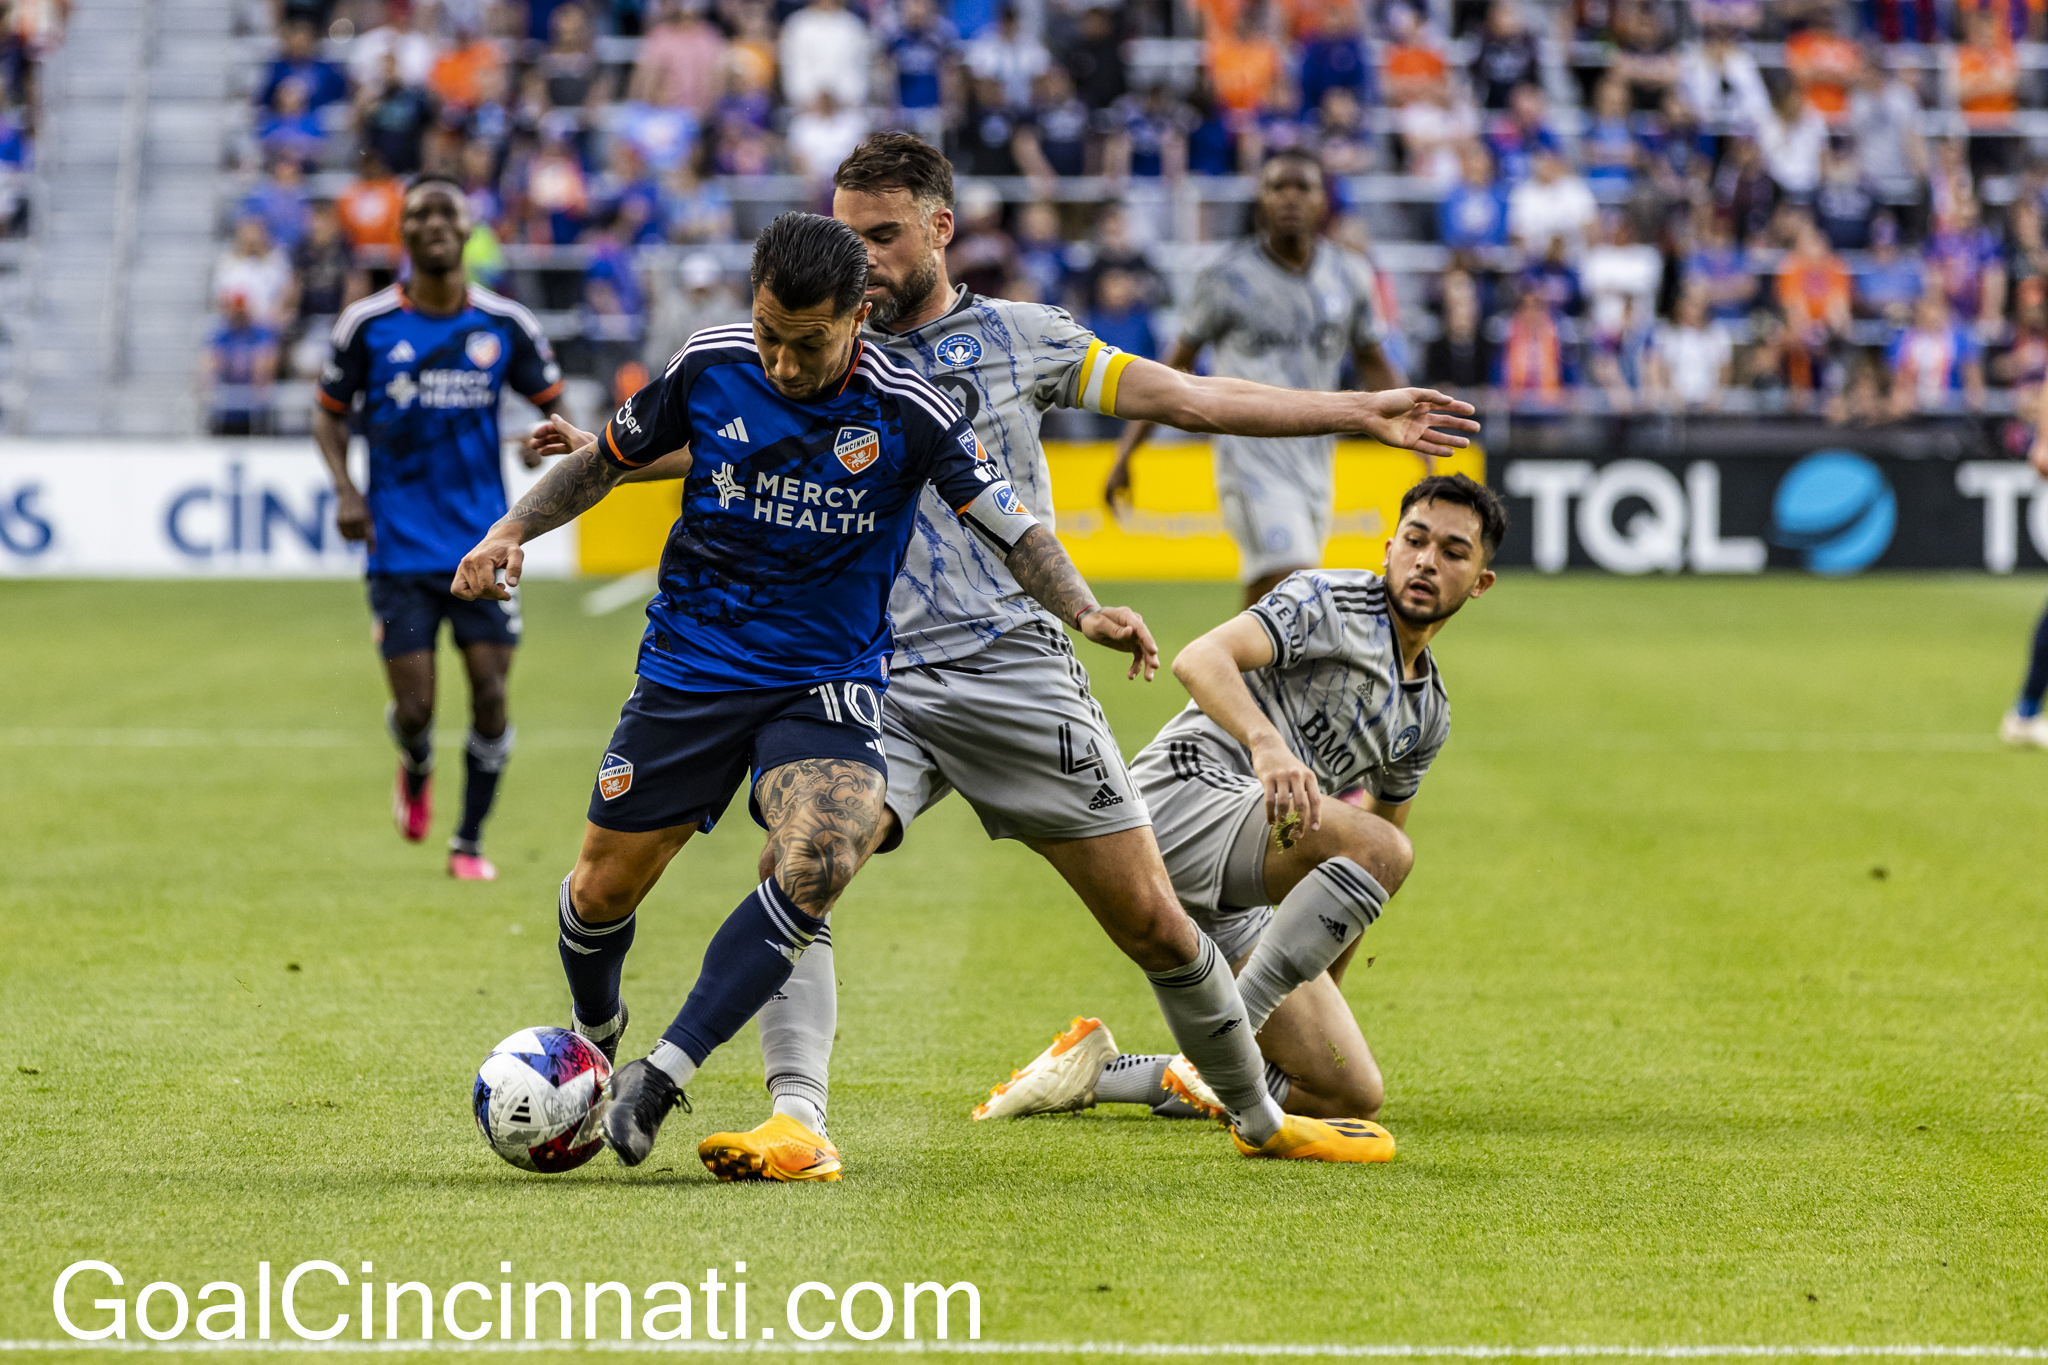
{"x": 2024, "y": 732}
{"x": 1186, "y": 1090}
{"x": 1057, "y": 1080}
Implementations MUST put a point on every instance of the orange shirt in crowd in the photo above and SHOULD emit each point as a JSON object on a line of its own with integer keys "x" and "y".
{"x": 1407, "y": 67}
{"x": 1244, "y": 71}
{"x": 1988, "y": 76}
{"x": 1827, "y": 63}
{"x": 1812, "y": 292}
{"x": 457, "y": 76}
{"x": 370, "y": 210}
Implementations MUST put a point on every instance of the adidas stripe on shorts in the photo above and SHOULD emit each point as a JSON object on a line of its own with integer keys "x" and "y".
{"x": 1015, "y": 730}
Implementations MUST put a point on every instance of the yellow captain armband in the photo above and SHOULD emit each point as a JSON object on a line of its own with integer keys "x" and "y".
{"x": 1100, "y": 370}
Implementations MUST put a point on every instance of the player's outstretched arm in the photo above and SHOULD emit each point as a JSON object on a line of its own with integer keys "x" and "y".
{"x": 1117, "y": 489}
{"x": 1212, "y": 669}
{"x": 1042, "y": 568}
{"x": 1422, "y": 420}
{"x": 571, "y": 488}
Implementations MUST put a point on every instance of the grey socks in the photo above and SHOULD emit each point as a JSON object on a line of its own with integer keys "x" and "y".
{"x": 1322, "y": 916}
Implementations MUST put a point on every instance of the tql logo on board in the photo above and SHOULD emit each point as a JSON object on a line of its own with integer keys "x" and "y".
{"x": 1834, "y": 507}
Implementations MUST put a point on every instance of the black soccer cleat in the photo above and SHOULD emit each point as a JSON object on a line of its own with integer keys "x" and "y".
{"x": 641, "y": 1095}
{"x": 609, "y": 1043}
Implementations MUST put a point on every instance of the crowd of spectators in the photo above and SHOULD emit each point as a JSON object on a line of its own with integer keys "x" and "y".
{"x": 29, "y": 29}
{"x": 1821, "y": 207}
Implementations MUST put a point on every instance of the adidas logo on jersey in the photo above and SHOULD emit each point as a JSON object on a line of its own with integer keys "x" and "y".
{"x": 1104, "y": 798}
{"x": 1337, "y": 927}
{"x": 736, "y": 430}
{"x": 402, "y": 354}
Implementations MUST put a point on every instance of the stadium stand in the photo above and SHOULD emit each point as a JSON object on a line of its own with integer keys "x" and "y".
{"x": 1592, "y": 206}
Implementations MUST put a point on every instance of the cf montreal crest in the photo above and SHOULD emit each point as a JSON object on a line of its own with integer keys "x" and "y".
{"x": 1405, "y": 741}
{"x": 482, "y": 348}
{"x": 856, "y": 448}
{"x": 958, "y": 350}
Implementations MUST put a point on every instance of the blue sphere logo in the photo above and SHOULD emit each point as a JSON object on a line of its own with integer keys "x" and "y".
{"x": 1839, "y": 508}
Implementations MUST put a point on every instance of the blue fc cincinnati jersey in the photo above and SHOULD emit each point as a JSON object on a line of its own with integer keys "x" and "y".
{"x": 430, "y": 389}
{"x": 796, "y": 515}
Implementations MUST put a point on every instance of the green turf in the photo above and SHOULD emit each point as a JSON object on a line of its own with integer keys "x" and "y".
{"x": 1714, "y": 1011}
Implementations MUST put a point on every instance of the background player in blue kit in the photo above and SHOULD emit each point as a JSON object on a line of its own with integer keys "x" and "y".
{"x": 428, "y": 357}
{"x": 767, "y": 647}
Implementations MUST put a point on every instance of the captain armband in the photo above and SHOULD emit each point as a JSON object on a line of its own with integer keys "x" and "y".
{"x": 1095, "y": 385}
{"x": 999, "y": 515}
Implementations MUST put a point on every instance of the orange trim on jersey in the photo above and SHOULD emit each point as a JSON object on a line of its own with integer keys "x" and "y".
{"x": 859, "y": 349}
{"x": 545, "y": 394}
{"x": 614, "y": 445}
{"x": 331, "y": 404}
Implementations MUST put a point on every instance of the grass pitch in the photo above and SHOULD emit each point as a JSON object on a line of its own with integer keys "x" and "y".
{"x": 1713, "y": 1012}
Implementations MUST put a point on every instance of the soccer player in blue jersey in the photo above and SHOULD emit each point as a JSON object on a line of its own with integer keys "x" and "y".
{"x": 766, "y": 652}
{"x": 427, "y": 359}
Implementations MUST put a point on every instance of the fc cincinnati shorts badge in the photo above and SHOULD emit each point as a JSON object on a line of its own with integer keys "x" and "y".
{"x": 482, "y": 348}
{"x": 614, "y": 777}
{"x": 857, "y": 448}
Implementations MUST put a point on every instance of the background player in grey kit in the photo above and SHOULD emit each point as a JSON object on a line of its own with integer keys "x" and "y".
{"x": 985, "y": 695}
{"x": 1282, "y": 307}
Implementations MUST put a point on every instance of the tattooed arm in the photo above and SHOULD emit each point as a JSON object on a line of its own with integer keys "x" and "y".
{"x": 1041, "y": 567}
{"x": 575, "y": 485}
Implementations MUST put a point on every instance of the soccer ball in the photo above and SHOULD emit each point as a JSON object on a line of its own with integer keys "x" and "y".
{"x": 537, "y": 1099}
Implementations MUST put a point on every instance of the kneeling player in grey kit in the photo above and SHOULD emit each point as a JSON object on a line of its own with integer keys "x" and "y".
{"x": 1323, "y": 685}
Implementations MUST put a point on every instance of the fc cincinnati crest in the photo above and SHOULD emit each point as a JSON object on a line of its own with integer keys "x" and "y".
{"x": 1007, "y": 500}
{"x": 856, "y": 448}
{"x": 958, "y": 350}
{"x": 614, "y": 777}
{"x": 483, "y": 349}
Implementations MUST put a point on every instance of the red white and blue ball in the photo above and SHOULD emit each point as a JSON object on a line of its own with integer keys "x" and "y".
{"x": 537, "y": 1099}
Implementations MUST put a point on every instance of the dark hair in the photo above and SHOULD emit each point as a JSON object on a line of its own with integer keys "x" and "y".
{"x": 1462, "y": 491}
{"x": 898, "y": 161}
{"x": 1304, "y": 156}
{"x": 807, "y": 259}
{"x": 426, "y": 178}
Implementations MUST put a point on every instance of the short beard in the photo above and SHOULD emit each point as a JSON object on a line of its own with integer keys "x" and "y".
{"x": 1424, "y": 619}
{"x": 907, "y": 295}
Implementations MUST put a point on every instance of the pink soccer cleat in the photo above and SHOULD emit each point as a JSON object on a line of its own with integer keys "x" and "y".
{"x": 471, "y": 867}
{"x": 412, "y": 814}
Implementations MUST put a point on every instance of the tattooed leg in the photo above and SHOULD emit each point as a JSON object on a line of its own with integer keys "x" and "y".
{"x": 822, "y": 814}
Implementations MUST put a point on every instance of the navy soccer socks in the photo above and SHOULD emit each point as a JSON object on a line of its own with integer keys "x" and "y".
{"x": 749, "y": 959}
{"x": 2037, "y": 672}
{"x": 593, "y": 956}
{"x": 484, "y": 762}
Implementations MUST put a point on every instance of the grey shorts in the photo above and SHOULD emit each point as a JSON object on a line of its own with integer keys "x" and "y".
{"x": 1015, "y": 730}
{"x": 1210, "y": 820}
{"x": 1276, "y": 506}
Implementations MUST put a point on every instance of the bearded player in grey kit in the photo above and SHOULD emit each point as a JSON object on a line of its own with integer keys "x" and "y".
{"x": 985, "y": 695}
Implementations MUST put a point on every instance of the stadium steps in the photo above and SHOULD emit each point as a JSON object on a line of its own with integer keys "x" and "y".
{"x": 168, "y": 63}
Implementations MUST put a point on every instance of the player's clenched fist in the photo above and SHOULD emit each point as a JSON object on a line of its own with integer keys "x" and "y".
{"x": 352, "y": 516}
{"x": 1292, "y": 796}
{"x": 1122, "y": 629}
{"x": 558, "y": 436}
{"x": 477, "y": 575}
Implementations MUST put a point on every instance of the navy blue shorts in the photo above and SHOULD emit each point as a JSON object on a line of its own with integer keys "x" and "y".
{"x": 409, "y": 609}
{"x": 678, "y": 757}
